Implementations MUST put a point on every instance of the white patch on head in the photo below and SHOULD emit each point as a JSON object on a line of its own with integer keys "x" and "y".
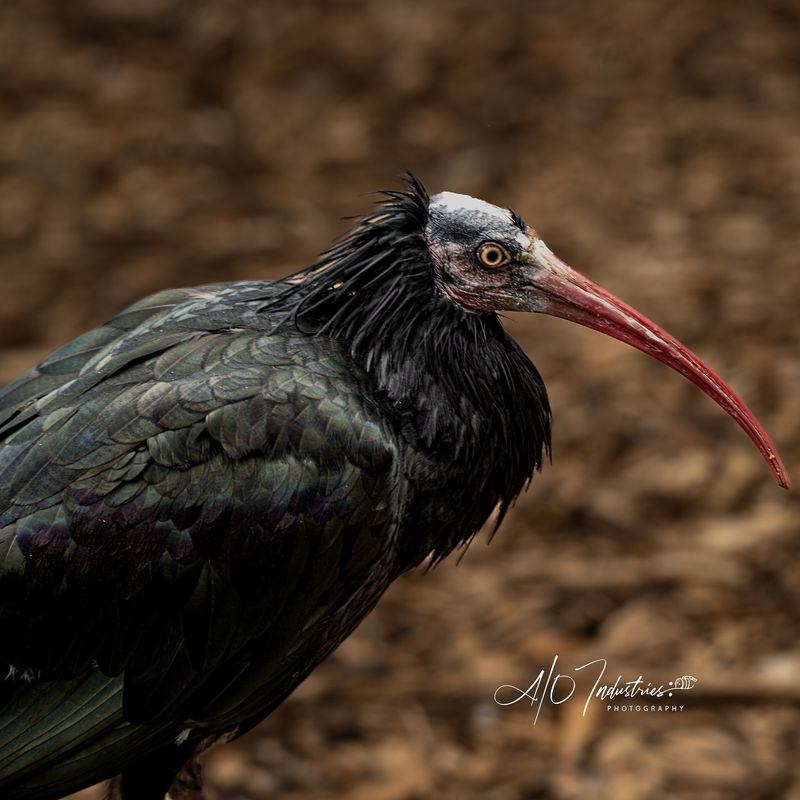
{"x": 541, "y": 251}
{"x": 452, "y": 202}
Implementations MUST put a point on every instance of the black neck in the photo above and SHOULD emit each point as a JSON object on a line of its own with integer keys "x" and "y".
{"x": 456, "y": 386}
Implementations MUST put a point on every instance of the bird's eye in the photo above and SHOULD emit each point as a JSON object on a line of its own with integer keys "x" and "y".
{"x": 492, "y": 255}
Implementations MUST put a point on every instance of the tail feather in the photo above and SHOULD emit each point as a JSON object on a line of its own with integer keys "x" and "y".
{"x": 60, "y": 736}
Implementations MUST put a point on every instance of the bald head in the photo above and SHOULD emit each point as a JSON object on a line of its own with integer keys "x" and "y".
{"x": 459, "y": 217}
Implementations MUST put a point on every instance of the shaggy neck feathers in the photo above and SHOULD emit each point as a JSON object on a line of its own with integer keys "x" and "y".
{"x": 458, "y": 387}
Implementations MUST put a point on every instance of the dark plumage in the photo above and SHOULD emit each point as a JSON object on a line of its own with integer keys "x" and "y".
{"x": 202, "y": 498}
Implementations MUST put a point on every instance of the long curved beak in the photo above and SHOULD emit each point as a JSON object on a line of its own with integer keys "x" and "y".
{"x": 563, "y": 292}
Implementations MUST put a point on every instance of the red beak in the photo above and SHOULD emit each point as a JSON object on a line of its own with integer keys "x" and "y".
{"x": 563, "y": 292}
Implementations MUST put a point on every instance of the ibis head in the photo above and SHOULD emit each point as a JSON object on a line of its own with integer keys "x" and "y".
{"x": 487, "y": 259}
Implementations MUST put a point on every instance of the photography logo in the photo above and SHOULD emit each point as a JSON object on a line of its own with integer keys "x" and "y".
{"x": 620, "y": 696}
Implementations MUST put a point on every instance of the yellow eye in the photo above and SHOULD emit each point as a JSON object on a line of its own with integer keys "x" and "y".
{"x": 492, "y": 255}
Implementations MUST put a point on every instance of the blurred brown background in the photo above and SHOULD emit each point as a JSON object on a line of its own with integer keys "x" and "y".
{"x": 656, "y": 146}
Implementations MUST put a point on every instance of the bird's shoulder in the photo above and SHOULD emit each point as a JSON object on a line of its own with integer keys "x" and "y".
{"x": 175, "y": 358}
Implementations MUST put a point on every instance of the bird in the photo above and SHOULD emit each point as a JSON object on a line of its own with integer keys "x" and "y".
{"x": 203, "y": 497}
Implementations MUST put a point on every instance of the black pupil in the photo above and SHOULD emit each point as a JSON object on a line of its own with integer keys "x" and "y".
{"x": 492, "y": 255}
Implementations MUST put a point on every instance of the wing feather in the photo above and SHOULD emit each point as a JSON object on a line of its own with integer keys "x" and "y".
{"x": 182, "y": 511}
